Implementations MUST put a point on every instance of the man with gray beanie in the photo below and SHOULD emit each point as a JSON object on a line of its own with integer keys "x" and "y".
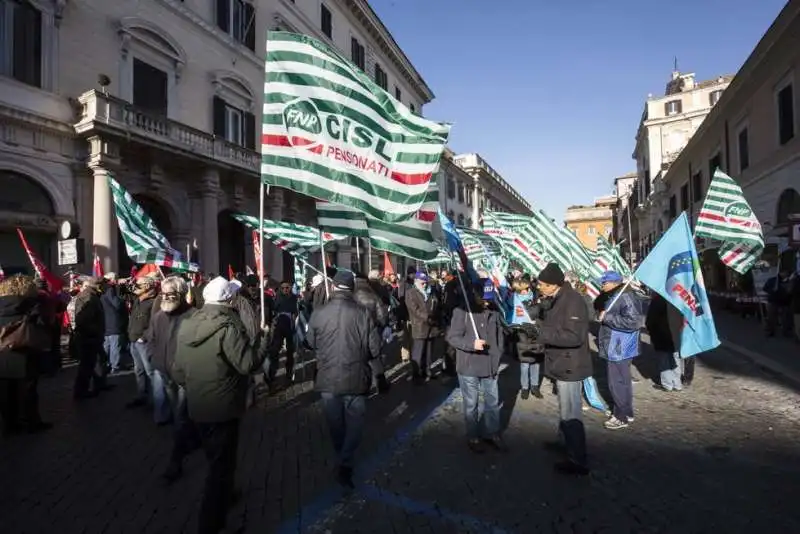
{"x": 564, "y": 335}
{"x": 345, "y": 339}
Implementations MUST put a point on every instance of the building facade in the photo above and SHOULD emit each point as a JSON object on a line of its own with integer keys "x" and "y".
{"x": 625, "y": 231}
{"x": 165, "y": 96}
{"x": 589, "y": 222}
{"x": 752, "y": 134}
{"x": 476, "y": 186}
{"x": 667, "y": 124}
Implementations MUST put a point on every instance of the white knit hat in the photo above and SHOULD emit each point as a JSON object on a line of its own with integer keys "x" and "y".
{"x": 317, "y": 280}
{"x": 218, "y": 291}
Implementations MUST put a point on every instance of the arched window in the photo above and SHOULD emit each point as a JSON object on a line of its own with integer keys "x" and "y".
{"x": 788, "y": 203}
{"x": 469, "y": 222}
{"x": 451, "y": 215}
{"x": 23, "y": 195}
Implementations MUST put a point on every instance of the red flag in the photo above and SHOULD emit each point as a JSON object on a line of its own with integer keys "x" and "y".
{"x": 387, "y": 265}
{"x": 257, "y": 254}
{"x": 54, "y": 283}
{"x": 147, "y": 270}
{"x": 97, "y": 267}
{"x": 231, "y": 274}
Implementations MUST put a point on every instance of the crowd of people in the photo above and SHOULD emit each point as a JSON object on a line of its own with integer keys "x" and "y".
{"x": 199, "y": 351}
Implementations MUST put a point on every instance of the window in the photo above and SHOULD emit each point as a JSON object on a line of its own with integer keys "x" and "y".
{"x": 326, "y": 21}
{"x": 398, "y": 94}
{"x": 591, "y": 230}
{"x": 452, "y": 216}
{"x": 714, "y": 164}
{"x": 357, "y": 53}
{"x": 744, "y": 149}
{"x": 714, "y": 96}
{"x": 785, "y": 114}
{"x": 461, "y": 219}
{"x": 451, "y": 189}
{"x": 673, "y": 107}
{"x": 412, "y": 108}
{"x": 469, "y": 222}
{"x": 607, "y": 230}
{"x": 673, "y": 207}
{"x": 380, "y": 77}
{"x": 21, "y": 48}
{"x": 233, "y": 124}
{"x": 469, "y": 192}
{"x": 460, "y": 193}
{"x": 697, "y": 186}
{"x": 647, "y": 183}
{"x": 684, "y": 197}
{"x": 149, "y": 88}
{"x": 237, "y": 19}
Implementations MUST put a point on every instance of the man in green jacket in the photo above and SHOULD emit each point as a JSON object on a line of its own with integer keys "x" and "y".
{"x": 213, "y": 361}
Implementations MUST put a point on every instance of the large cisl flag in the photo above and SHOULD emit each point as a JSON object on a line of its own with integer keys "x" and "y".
{"x": 332, "y": 133}
{"x": 672, "y": 270}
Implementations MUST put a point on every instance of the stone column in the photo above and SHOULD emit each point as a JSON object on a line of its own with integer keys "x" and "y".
{"x": 209, "y": 247}
{"x": 103, "y": 158}
{"x": 476, "y": 203}
{"x": 273, "y": 256}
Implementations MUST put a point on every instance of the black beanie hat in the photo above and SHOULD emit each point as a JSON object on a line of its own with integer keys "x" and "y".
{"x": 552, "y": 274}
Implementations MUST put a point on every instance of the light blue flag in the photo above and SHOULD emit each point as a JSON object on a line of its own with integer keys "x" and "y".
{"x": 516, "y": 313}
{"x": 673, "y": 271}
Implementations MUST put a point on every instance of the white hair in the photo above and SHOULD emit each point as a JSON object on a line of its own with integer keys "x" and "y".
{"x": 175, "y": 283}
{"x": 374, "y": 274}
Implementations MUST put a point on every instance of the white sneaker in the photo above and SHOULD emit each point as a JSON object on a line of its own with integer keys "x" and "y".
{"x": 630, "y": 420}
{"x": 615, "y": 424}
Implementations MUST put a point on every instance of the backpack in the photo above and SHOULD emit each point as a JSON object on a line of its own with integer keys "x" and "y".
{"x": 23, "y": 335}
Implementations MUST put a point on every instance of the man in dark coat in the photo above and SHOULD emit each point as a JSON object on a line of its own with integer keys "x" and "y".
{"x": 564, "y": 333}
{"x": 115, "y": 316}
{"x": 424, "y": 316}
{"x": 144, "y": 295}
{"x": 664, "y": 325}
{"x": 89, "y": 334}
{"x": 345, "y": 339}
{"x": 366, "y": 295}
{"x": 213, "y": 360}
{"x": 283, "y": 331}
{"x": 403, "y": 287}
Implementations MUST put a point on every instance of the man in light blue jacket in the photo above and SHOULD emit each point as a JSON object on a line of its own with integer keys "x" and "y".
{"x": 618, "y": 343}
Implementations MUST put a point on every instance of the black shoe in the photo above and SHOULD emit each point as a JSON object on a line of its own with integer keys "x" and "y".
{"x": 85, "y": 396}
{"x": 497, "y": 443}
{"x": 476, "y": 446}
{"x": 35, "y": 428}
{"x": 106, "y": 387}
{"x": 571, "y": 468}
{"x": 345, "y": 478}
{"x": 173, "y": 472}
{"x": 537, "y": 392}
{"x": 555, "y": 447}
{"x": 555, "y": 388}
{"x": 524, "y": 394}
{"x": 136, "y": 403}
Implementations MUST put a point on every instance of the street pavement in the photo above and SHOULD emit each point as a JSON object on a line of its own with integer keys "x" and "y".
{"x": 719, "y": 456}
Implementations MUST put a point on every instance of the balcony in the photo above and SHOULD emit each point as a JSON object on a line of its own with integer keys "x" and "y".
{"x": 103, "y": 114}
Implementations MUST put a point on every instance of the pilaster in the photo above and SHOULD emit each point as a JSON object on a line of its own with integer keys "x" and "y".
{"x": 209, "y": 247}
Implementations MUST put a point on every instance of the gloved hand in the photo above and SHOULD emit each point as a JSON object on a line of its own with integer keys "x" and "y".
{"x": 531, "y": 330}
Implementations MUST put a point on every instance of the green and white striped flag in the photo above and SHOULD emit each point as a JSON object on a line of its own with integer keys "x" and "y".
{"x": 726, "y": 216}
{"x": 411, "y": 238}
{"x": 296, "y": 239}
{"x": 520, "y": 244}
{"x": 608, "y": 256}
{"x": 299, "y": 273}
{"x": 481, "y": 249}
{"x": 332, "y": 133}
{"x": 443, "y": 257}
{"x": 144, "y": 243}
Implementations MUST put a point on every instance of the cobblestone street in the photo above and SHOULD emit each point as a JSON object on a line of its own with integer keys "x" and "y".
{"x": 720, "y": 456}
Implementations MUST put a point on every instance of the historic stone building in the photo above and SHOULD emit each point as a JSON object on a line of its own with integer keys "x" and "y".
{"x": 165, "y": 95}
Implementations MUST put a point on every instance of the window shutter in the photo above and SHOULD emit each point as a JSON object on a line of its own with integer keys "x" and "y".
{"x": 249, "y": 131}
{"x": 666, "y": 108}
{"x": 224, "y": 15}
{"x": 219, "y": 117}
{"x": 249, "y": 20}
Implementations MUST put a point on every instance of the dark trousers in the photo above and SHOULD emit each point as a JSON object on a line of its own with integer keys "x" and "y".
{"x": 621, "y": 387}
{"x": 220, "y": 443}
{"x": 19, "y": 402}
{"x": 688, "y": 369}
{"x": 422, "y": 357}
{"x": 345, "y": 415}
{"x": 283, "y": 331}
{"x": 185, "y": 438}
{"x": 92, "y": 369}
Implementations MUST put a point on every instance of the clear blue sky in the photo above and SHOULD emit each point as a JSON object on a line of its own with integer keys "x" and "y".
{"x": 550, "y": 92}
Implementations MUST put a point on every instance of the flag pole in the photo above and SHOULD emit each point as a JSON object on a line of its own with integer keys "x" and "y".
{"x": 630, "y": 234}
{"x": 466, "y": 298}
{"x": 369, "y": 253}
{"x": 358, "y": 253}
{"x": 262, "y": 282}
{"x": 322, "y": 257}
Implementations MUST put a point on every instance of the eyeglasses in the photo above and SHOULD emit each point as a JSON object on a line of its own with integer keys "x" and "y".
{"x": 285, "y": 288}
{"x": 171, "y": 295}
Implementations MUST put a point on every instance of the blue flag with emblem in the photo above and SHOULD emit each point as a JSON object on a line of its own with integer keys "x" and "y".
{"x": 517, "y": 314}
{"x": 672, "y": 270}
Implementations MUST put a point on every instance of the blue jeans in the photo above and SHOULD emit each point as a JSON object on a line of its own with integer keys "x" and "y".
{"x": 141, "y": 367}
{"x": 345, "y": 415}
{"x": 471, "y": 386}
{"x": 113, "y": 347}
{"x": 162, "y": 410}
{"x": 529, "y": 375}
{"x": 570, "y": 413}
{"x": 670, "y": 366}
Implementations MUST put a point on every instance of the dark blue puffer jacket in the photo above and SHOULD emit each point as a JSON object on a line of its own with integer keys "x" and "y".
{"x": 114, "y": 311}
